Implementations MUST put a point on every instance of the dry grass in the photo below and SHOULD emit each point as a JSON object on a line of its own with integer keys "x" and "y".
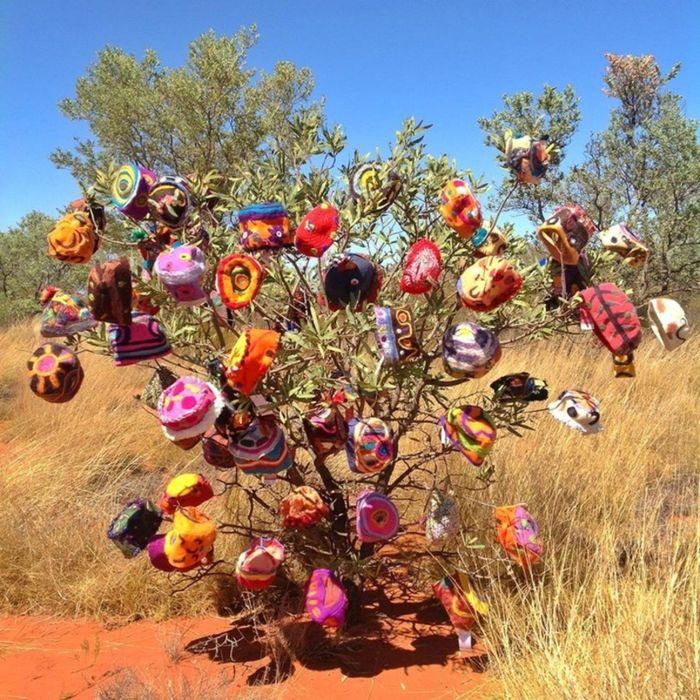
{"x": 613, "y": 613}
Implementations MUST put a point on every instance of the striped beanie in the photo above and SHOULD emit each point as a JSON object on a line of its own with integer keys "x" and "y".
{"x": 143, "y": 340}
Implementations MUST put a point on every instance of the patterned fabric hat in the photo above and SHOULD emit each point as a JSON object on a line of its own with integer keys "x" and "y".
{"x": 265, "y": 226}
{"x": 375, "y": 186}
{"x": 302, "y": 508}
{"x": 460, "y": 601}
{"x": 488, "y": 283}
{"x": 351, "y": 279}
{"x": 159, "y": 559}
{"x": 422, "y": 267}
{"x": 190, "y": 540}
{"x": 325, "y": 424}
{"x": 526, "y": 157}
{"x": 64, "y": 314}
{"x": 622, "y": 240}
{"x": 74, "y": 238}
{"x": 238, "y": 280}
{"x": 369, "y": 447}
{"x": 143, "y": 340}
{"x": 138, "y": 521}
{"x": 376, "y": 517}
{"x": 578, "y": 410}
{"x": 568, "y": 280}
{"x": 55, "y": 373}
{"x": 519, "y": 387}
{"x": 470, "y": 430}
{"x": 566, "y": 233}
{"x": 669, "y": 322}
{"x": 169, "y": 201}
{"x": 326, "y": 601}
{"x": 317, "y": 230}
{"x": 442, "y": 519}
{"x": 395, "y": 335}
{"x": 185, "y": 490}
{"x": 257, "y": 566}
{"x": 518, "y": 534}
{"x": 181, "y": 270}
{"x": 261, "y": 448}
{"x": 460, "y": 208}
{"x": 250, "y": 358}
{"x": 130, "y": 189}
{"x": 215, "y": 448}
{"x": 488, "y": 240}
{"x": 110, "y": 292}
{"x": 469, "y": 351}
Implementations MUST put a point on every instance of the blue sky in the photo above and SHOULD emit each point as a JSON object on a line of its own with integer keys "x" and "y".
{"x": 376, "y": 62}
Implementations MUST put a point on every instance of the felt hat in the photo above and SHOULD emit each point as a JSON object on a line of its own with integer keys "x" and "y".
{"x": 317, "y": 230}
{"x": 134, "y": 526}
{"x": 265, "y": 226}
{"x": 302, "y": 508}
{"x": 238, "y": 280}
{"x": 250, "y": 358}
{"x": 181, "y": 270}
{"x": 488, "y": 283}
{"x": 527, "y": 157}
{"x": 369, "y": 447}
{"x": 169, "y": 201}
{"x": 422, "y": 267}
{"x": 110, "y": 292}
{"x": 351, "y": 279}
{"x": 469, "y": 351}
{"x": 460, "y": 208}
{"x": 215, "y": 449}
{"x": 159, "y": 559}
{"x": 74, "y": 239}
{"x": 55, "y": 373}
{"x": 144, "y": 339}
{"x": 518, "y": 534}
{"x": 187, "y": 409}
{"x": 375, "y": 186}
{"x": 442, "y": 519}
{"x": 130, "y": 189}
{"x": 488, "y": 240}
{"x": 568, "y": 280}
{"x": 395, "y": 335}
{"x": 257, "y": 566}
{"x": 185, "y": 490}
{"x": 190, "y": 539}
{"x": 64, "y": 314}
{"x": 470, "y": 430}
{"x": 325, "y": 424}
{"x": 519, "y": 387}
{"x": 326, "y": 601}
{"x": 620, "y": 239}
{"x": 261, "y": 448}
{"x": 668, "y": 322}
{"x": 566, "y": 233}
{"x": 462, "y": 604}
{"x": 578, "y": 410}
{"x": 376, "y": 517}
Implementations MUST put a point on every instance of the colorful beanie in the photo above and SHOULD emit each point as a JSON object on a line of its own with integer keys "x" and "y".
{"x": 215, "y": 449}
{"x": 261, "y": 448}
{"x": 376, "y": 517}
{"x": 669, "y": 322}
{"x": 302, "y": 508}
{"x": 169, "y": 201}
{"x": 257, "y": 566}
{"x": 55, "y": 373}
{"x": 375, "y": 186}
{"x": 422, "y": 267}
{"x": 135, "y": 525}
{"x": 460, "y": 208}
{"x": 519, "y": 387}
{"x": 159, "y": 559}
{"x": 461, "y": 603}
{"x": 395, "y": 335}
{"x": 566, "y": 233}
{"x": 470, "y": 430}
{"x": 74, "y": 238}
{"x": 488, "y": 240}
{"x": 325, "y": 425}
{"x": 620, "y": 239}
{"x": 527, "y": 157}
{"x": 326, "y": 601}
{"x": 190, "y": 540}
{"x": 130, "y": 189}
{"x": 317, "y": 230}
{"x": 238, "y": 280}
{"x": 351, "y": 279}
{"x": 518, "y": 534}
{"x": 143, "y": 340}
{"x": 181, "y": 269}
{"x": 110, "y": 293}
{"x": 578, "y": 410}
{"x": 369, "y": 447}
{"x": 265, "y": 226}
{"x": 469, "y": 351}
{"x": 488, "y": 283}
{"x": 185, "y": 490}
{"x": 250, "y": 358}
{"x": 64, "y": 314}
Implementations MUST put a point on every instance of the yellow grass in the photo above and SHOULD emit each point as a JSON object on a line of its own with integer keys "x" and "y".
{"x": 613, "y": 613}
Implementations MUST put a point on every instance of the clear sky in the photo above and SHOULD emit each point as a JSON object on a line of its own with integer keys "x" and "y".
{"x": 376, "y": 62}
